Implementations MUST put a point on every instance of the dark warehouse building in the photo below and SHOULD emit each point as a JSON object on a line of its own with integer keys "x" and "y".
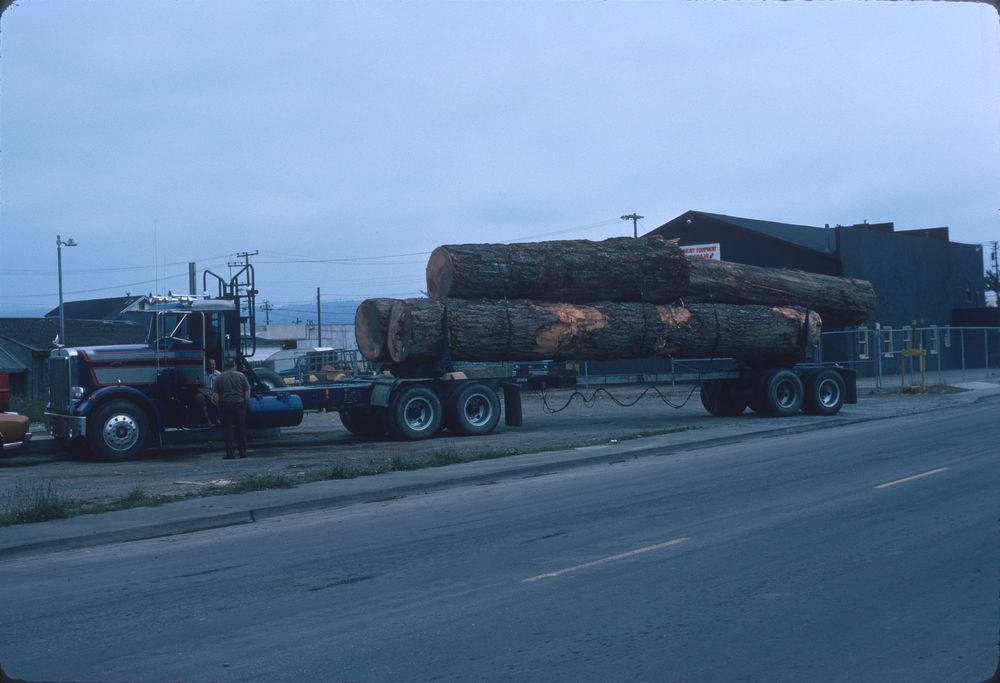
{"x": 918, "y": 275}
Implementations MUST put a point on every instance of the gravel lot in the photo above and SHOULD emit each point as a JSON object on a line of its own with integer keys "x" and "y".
{"x": 191, "y": 463}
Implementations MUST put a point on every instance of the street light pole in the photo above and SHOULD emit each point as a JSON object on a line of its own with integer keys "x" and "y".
{"x": 62, "y": 320}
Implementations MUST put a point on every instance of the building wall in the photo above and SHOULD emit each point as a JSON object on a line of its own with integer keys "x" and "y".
{"x": 915, "y": 277}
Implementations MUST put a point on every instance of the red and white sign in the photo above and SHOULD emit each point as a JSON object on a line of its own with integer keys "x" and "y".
{"x": 712, "y": 251}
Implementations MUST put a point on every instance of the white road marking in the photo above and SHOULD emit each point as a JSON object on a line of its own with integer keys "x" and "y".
{"x": 915, "y": 476}
{"x": 621, "y": 556}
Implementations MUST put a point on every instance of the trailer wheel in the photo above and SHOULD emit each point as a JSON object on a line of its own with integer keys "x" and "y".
{"x": 117, "y": 431}
{"x": 824, "y": 393}
{"x": 721, "y": 398}
{"x": 474, "y": 409}
{"x": 414, "y": 413}
{"x": 370, "y": 422}
{"x": 778, "y": 392}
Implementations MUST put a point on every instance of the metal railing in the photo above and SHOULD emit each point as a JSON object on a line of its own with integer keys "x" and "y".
{"x": 914, "y": 356}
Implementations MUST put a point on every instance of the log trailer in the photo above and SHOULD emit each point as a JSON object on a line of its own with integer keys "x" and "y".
{"x": 117, "y": 400}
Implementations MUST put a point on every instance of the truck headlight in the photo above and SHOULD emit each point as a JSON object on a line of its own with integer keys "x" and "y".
{"x": 76, "y": 393}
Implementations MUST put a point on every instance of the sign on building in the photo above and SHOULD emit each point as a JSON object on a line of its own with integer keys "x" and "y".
{"x": 712, "y": 251}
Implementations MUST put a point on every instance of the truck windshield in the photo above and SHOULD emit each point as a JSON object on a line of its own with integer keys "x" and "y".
{"x": 183, "y": 327}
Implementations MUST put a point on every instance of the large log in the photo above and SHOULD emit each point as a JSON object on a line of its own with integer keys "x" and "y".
{"x": 616, "y": 269}
{"x": 371, "y": 329}
{"x": 839, "y": 301}
{"x": 525, "y": 330}
{"x": 648, "y": 269}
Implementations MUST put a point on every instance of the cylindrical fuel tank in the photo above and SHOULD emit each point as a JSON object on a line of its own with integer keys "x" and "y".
{"x": 284, "y": 410}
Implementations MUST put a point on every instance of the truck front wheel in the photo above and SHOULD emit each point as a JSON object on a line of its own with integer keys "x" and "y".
{"x": 117, "y": 430}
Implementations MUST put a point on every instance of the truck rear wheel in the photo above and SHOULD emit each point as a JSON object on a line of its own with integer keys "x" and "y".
{"x": 824, "y": 392}
{"x": 117, "y": 430}
{"x": 778, "y": 392}
{"x": 364, "y": 422}
{"x": 474, "y": 409}
{"x": 721, "y": 397}
{"x": 414, "y": 413}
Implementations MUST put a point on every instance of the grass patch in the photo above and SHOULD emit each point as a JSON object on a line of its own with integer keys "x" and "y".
{"x": 136, "y": 498}
{"x": 258, "y": 482}
{"x": 35, "y": 503}
{"x": 398, "y": 464}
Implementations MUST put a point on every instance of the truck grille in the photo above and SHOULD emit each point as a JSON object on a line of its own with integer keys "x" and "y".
{"x": 59, "y": 382}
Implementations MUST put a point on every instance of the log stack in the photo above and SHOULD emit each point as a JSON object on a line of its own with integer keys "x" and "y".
{"x": 619, "y": 298}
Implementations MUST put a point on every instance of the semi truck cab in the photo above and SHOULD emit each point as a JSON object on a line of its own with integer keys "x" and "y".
{"x": 115, "y": 398}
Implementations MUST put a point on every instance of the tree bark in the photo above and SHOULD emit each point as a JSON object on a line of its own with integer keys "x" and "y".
{"x": 371, "y": 329}
{"x": 623, "y": 269}
{"x": 529, "y": 330}
{"x": 616, "y": 269}
{"x": 839, "y": 301}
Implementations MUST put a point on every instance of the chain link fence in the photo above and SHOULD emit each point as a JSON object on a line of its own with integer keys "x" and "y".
{"x": 914, "y": 356}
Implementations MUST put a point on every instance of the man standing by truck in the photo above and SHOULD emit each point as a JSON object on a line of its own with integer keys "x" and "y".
{"x": 232, "y": 394}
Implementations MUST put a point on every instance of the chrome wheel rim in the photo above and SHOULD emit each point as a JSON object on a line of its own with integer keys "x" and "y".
{"x": 121, "y": 432}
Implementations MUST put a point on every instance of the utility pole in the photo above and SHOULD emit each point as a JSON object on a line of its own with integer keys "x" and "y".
{"x": 319, "y": 321}
{"x": 635, "y": 218}
{"x": 996, "y": 263}
{"x": 267, "y": 308}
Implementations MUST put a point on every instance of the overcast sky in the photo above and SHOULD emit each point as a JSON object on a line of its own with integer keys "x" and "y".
{"x": 344, "y": 141}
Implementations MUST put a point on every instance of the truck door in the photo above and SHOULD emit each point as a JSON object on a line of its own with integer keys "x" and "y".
{"x": 180, "y": 363}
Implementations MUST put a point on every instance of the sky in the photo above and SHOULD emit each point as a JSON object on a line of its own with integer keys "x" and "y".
{"x": 343, "y": 141}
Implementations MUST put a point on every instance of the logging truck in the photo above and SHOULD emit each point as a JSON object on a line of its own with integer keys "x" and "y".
{"x": 115, "y": 401}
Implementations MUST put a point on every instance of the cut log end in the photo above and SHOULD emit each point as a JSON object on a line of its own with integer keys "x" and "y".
{"x": 371, "y": 327}
{"x": 440, "y": 273}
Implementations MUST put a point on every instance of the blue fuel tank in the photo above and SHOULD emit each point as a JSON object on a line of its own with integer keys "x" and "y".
{"x": 274, "y": 411}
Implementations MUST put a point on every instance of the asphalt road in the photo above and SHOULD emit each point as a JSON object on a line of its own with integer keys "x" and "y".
{"x": 865, "y": 552}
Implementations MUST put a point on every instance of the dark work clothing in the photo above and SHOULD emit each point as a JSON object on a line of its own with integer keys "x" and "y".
{"x": 234, "y": 419}
{"x": 231, "y": 386}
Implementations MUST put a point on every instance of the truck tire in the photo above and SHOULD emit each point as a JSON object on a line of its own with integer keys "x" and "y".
{"x": 117, "y": 430}
{"x": 269, "y": 378}
{"x": 364, "y": 422}
{"x": 778, "y": 392}
{"x": 722, "y": 398}
{"x": 473, "y": 409}
{"x": 414, "y": 413}
{"x": 824, "y": 392}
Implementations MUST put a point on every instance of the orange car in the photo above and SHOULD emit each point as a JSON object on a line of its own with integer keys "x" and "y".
{"x": 13, "y": 430}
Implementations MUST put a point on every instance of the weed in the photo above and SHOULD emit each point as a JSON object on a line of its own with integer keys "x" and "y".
{"x": 35, "y": 503}
{"x": 136, "y": 498}
{"x": 400, "y": 465}
{"x": 258, "y": 482}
